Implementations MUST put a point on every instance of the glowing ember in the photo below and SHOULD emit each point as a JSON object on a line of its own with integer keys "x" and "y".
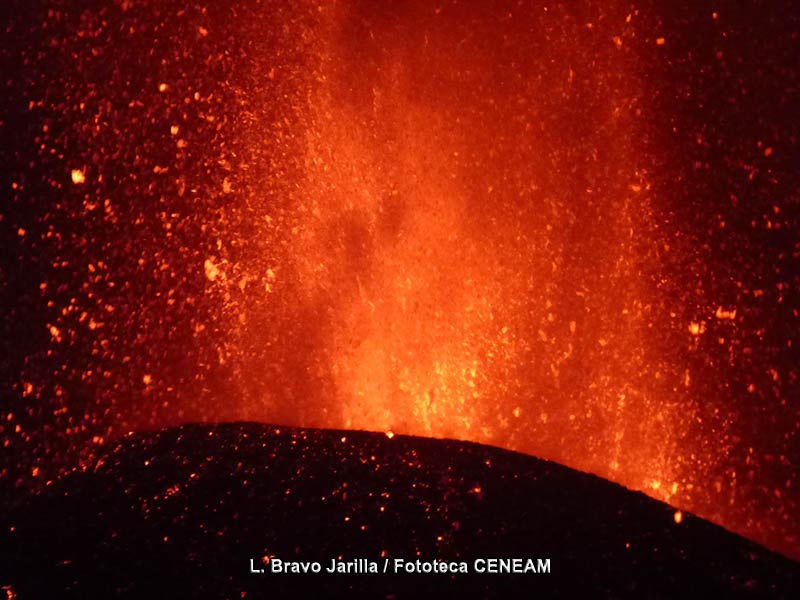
{"x": 78, "y": 177}
{"x": 569, "y": 231}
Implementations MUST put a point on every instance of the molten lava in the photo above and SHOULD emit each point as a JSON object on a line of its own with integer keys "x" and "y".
{"x": 495, "y": 222}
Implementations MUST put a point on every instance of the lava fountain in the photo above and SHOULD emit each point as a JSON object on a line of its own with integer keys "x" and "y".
{"x": 476, "y": 241}
{"x": 451, "y": 221}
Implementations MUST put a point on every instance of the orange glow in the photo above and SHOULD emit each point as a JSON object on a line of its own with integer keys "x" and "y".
{"x": 457, "y": 274}
{"x": 470, "y": 221}
{"x": 78, "y": 176}
{"x": 463, "y": 251}
{"x": 467, "y": 278}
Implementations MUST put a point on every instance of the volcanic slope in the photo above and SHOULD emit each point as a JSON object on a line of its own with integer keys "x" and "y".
{"x": 182, "y": 511}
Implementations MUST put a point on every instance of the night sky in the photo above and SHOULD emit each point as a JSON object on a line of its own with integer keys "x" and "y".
{"x": 568, "y": 229}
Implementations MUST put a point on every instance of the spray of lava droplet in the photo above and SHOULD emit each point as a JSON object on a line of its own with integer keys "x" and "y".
{"x": 446, "y": 221}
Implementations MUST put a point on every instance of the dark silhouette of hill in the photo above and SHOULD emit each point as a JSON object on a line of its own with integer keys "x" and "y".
{"x": 179, "y": 513}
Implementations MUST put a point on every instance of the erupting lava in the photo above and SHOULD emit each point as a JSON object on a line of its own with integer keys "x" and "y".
{"x": 452, "y": 221}
{"x": 474, "y": 244}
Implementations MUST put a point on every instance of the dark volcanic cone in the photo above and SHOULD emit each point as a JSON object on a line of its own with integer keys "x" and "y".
{"x": 179, "y": 513}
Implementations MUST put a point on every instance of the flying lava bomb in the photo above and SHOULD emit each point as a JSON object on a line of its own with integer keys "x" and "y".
{"x": 567, "y": 229}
